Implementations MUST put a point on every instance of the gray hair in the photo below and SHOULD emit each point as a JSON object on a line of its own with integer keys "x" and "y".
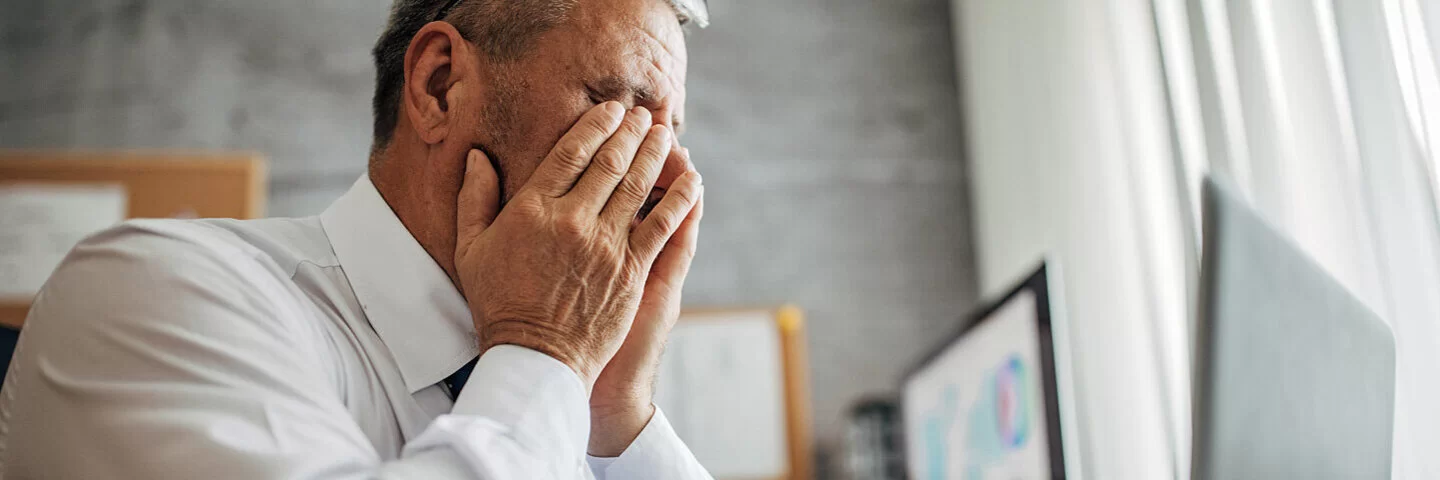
{"x": 503, "y": 29}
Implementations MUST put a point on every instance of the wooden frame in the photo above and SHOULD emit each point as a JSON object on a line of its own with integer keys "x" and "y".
{"x": 158, "y": 185}
{"x": 790, "y": 321}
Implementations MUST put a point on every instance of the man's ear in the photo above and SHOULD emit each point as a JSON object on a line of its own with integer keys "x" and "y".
{"x": 434, "y": 71}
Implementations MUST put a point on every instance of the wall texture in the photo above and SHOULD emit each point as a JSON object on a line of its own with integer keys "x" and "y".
{"x": 828, "y": 131}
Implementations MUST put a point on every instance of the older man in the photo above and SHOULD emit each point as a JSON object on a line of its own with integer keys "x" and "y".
{"x": 490, "y": 301}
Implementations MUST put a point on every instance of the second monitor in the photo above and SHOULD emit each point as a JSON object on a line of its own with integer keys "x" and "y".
{"x": 986, "y": 405}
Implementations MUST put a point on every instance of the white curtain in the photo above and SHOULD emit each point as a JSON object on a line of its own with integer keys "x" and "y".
{"x": 1089, "y": 125}
{"x": 1070, "y": 155}
{"x": 1327, "y": 113}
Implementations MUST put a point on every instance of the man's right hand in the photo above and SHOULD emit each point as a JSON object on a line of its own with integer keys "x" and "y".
{"x": 560, "y": 270}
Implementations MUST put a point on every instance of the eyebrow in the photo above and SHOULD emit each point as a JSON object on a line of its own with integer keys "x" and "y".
{"x": 620, "y": 89}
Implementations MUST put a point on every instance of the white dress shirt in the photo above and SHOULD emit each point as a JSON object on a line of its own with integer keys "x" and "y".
{"x": 287, "y": 348}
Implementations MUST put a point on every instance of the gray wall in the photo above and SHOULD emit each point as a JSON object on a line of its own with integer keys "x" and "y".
{"x": 828, "y": 132}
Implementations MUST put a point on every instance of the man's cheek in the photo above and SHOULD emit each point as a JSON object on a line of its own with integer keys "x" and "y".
{"x": 513, "y": 176}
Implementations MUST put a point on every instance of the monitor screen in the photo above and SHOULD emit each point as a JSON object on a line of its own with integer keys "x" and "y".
{"x": 977, "y": 409}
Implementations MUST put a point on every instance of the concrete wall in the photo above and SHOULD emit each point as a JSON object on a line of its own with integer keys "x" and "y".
{"x": 827, "y": 130}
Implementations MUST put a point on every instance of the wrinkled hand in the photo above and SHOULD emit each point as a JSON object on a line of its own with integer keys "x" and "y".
{"x": 560, "y": 270}
{"x": 622, "y": 402}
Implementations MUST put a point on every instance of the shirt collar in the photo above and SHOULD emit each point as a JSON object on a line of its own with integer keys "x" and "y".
{"x": 408, "y": 299}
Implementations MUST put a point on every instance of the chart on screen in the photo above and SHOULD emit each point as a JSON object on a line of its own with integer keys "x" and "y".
{"x": 979, "y": 409}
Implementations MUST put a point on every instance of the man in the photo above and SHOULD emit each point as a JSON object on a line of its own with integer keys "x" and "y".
{"x": 490, "y": 301}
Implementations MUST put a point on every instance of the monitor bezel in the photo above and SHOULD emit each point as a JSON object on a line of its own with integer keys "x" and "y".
{"x": 1038, "y": 284}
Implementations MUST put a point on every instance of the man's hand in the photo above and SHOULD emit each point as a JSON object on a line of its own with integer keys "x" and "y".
{"x": 560, "y": 270}
{"x": 622, "y": 402}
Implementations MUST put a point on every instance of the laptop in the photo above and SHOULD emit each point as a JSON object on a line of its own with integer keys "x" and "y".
{"x": 1294, "y": 377}
{"x": 987, "y": 404}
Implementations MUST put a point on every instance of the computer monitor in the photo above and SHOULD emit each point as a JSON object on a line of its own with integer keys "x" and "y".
{"x": 985, "y": 405}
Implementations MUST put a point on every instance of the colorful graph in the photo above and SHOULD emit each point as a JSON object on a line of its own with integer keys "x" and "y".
{"x": 997, "y": 424}
{"x": 937, "y": 431}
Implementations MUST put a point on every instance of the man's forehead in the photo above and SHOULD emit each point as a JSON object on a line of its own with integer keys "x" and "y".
{"x": 654, "y": 20}
{"x": 660, "y": 63}
{"x": 663, "y": 46}
{"x": 642, "y": 53}
{"x": 684, "y": 12}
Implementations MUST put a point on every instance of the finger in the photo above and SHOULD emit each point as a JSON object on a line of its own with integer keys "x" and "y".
{"x": 673, "y": 265}
{"x": 557, "y": 173}
{"x": 479, "y": 200}
{"x": 612, "y": 162}
{"x": 644, "y": 171}
{"x": 652, "y": 234}
{"x": 675, "y": 165}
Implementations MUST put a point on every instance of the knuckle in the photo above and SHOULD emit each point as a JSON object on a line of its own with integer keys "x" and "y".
{"x": 635, "y": 128}
{"x": 528, "y": 205}
{"x": 572, "y": 153}
{"x": 654, "y": 150}
{"x": 528, "y": 218}
{"x": 633, "y": 188}
{"x": 665, "y": 223}
{"x": 684, "y": 193}
{"x": 573, "y": 224}
{"x": 595, "y": 131}
{"x": 611, "y": 161}
{"x": 527, "y": 208}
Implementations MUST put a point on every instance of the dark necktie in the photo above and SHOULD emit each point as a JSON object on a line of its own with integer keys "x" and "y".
{"x": 456, "y": 381}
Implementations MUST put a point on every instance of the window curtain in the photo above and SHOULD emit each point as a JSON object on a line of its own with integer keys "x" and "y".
{"x": 1327, "y": 114}
{"x": 1070, "y": 158}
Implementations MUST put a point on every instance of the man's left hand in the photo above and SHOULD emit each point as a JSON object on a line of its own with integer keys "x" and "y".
{"x": 621, "y": 404}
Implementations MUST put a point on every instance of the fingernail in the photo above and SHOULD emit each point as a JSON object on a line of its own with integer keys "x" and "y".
{"x": 614, "y": 109}
{"x": 642, "y": 113}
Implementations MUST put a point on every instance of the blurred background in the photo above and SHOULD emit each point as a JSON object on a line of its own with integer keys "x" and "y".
{"x": 884, "y": 165}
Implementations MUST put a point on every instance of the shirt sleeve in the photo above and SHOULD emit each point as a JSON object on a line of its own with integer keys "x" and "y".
{"x": 156, "y": 353}
{"x": 528, "y": 398}
{"x": 658, "y": 453}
